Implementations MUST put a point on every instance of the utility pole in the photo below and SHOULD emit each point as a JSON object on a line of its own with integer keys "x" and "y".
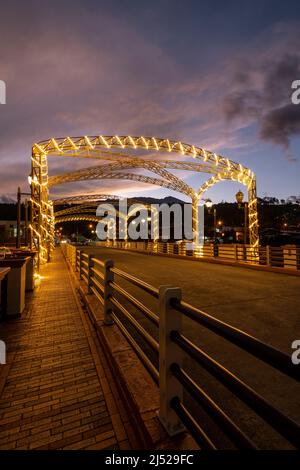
{"x": 18, "y": 241}
{"x": 215, "y": 224}
{"x": 26, "y": 235}
{"x": 245, "y": 222}
{"x": 26, "y": 222}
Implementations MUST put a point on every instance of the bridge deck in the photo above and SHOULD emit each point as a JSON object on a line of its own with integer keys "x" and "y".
{"x": 56, "y": 391}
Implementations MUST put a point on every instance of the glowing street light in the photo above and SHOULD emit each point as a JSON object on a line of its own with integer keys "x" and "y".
{"x": 208, "y": 203}
{"x": 239, "y": 198}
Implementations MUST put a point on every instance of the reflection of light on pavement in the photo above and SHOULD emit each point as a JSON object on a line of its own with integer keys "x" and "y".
{"x": 37, "y": 279}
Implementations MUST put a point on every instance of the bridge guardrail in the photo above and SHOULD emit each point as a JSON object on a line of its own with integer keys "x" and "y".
{"x": 286, "y": 256}
{"x": 171, "y": 376}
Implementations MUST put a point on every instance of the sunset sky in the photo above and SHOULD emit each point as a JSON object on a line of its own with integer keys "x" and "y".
{"x": 211, "y": 73}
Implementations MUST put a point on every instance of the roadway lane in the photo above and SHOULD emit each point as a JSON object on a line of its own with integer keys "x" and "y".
{"x": 264, "y": 304}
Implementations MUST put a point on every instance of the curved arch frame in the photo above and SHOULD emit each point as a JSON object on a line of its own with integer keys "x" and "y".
{"x": 42, "y": 224}
{"x": 86, "y": 198}
{"x": 77, "y": 218}
{"x": 99, "y": 171}
{"x": 83, "y": 212}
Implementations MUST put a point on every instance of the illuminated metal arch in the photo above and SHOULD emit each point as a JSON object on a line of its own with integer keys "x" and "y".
{"x": 83, "y": 176}
{"x": 154, "y": 217}
{"x": 85, "y": 198}
{"x": 77, "y": 218}
{"x": 88, "y": 207}
{"x": 85, "y": 146}
{"x": 81, "y": 213}
{"x": 134, "y": 208}
{"x": 84, "y": 208}
{"x": 163, "y": 163}
{"x": 96, "y": 172}
{"x": 97, "y": 147}
{"x": 250, "y": 182}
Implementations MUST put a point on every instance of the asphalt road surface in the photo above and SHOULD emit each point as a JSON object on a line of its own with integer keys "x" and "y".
{"x": 266, "y": 305}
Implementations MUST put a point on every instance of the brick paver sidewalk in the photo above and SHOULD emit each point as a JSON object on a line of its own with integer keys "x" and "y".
{"x": 57, "y": 392}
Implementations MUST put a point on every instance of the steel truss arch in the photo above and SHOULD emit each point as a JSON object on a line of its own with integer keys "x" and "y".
{"x": 84, "y": 208}
{"x": 103, "y": 147}
{"x": 85, "y": 198}
{"x": 97, "y": 171}
{"x": 80, "y": 146}
{"x": 110, "y": 175}
{"x": 78, "y": 218}
{"x": 250, "y": 183}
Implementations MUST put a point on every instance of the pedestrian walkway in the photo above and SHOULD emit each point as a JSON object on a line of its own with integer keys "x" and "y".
{"x": 56, "y": 391}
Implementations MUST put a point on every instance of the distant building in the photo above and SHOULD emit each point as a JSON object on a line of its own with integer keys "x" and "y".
{"x": 8, "y": 230}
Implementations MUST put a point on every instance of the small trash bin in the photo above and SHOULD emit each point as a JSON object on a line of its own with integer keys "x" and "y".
{"x": 29, "y": 267}
{"x": 3, "y": 291}
{"x": 16, "y": 282}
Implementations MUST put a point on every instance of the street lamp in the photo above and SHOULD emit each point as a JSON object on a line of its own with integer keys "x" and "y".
{"x": 27, "y": 207}
{"x": 209, "y": 205}
{"x": 239, "y": 199}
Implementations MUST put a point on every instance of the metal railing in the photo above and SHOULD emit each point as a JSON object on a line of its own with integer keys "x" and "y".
{"x": 286, "y": 256}
{"x": 165, "y": 364}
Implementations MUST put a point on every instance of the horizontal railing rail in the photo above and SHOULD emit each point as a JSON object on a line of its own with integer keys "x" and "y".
{"x": 283, "y": 424}
{"x": 286, "y": 256}
{"x": 137, "y": 282}
{"x": 165, "y": 363}
{"x": 252, "y": 345}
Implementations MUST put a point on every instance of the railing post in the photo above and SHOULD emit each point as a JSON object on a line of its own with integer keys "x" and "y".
{"x": 90, "y": 265}
{"x": 80, "y": 264}
{"x": 108, "y": 291}
{"x": 235, "y": 252}
{"x": 76, "y": 267}
{"x": 169, "y": 353}
{"x": 74, "y": 258}
{"x": 71, "y": 255}
{"x": 268, "y": 255}
{"x": 290, "y": 256}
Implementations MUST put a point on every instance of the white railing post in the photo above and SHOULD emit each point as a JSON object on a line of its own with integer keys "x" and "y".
{"x": 169, "y": 353}
{"x": 90, "y": 265}
{"x": 108, "y": 291}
